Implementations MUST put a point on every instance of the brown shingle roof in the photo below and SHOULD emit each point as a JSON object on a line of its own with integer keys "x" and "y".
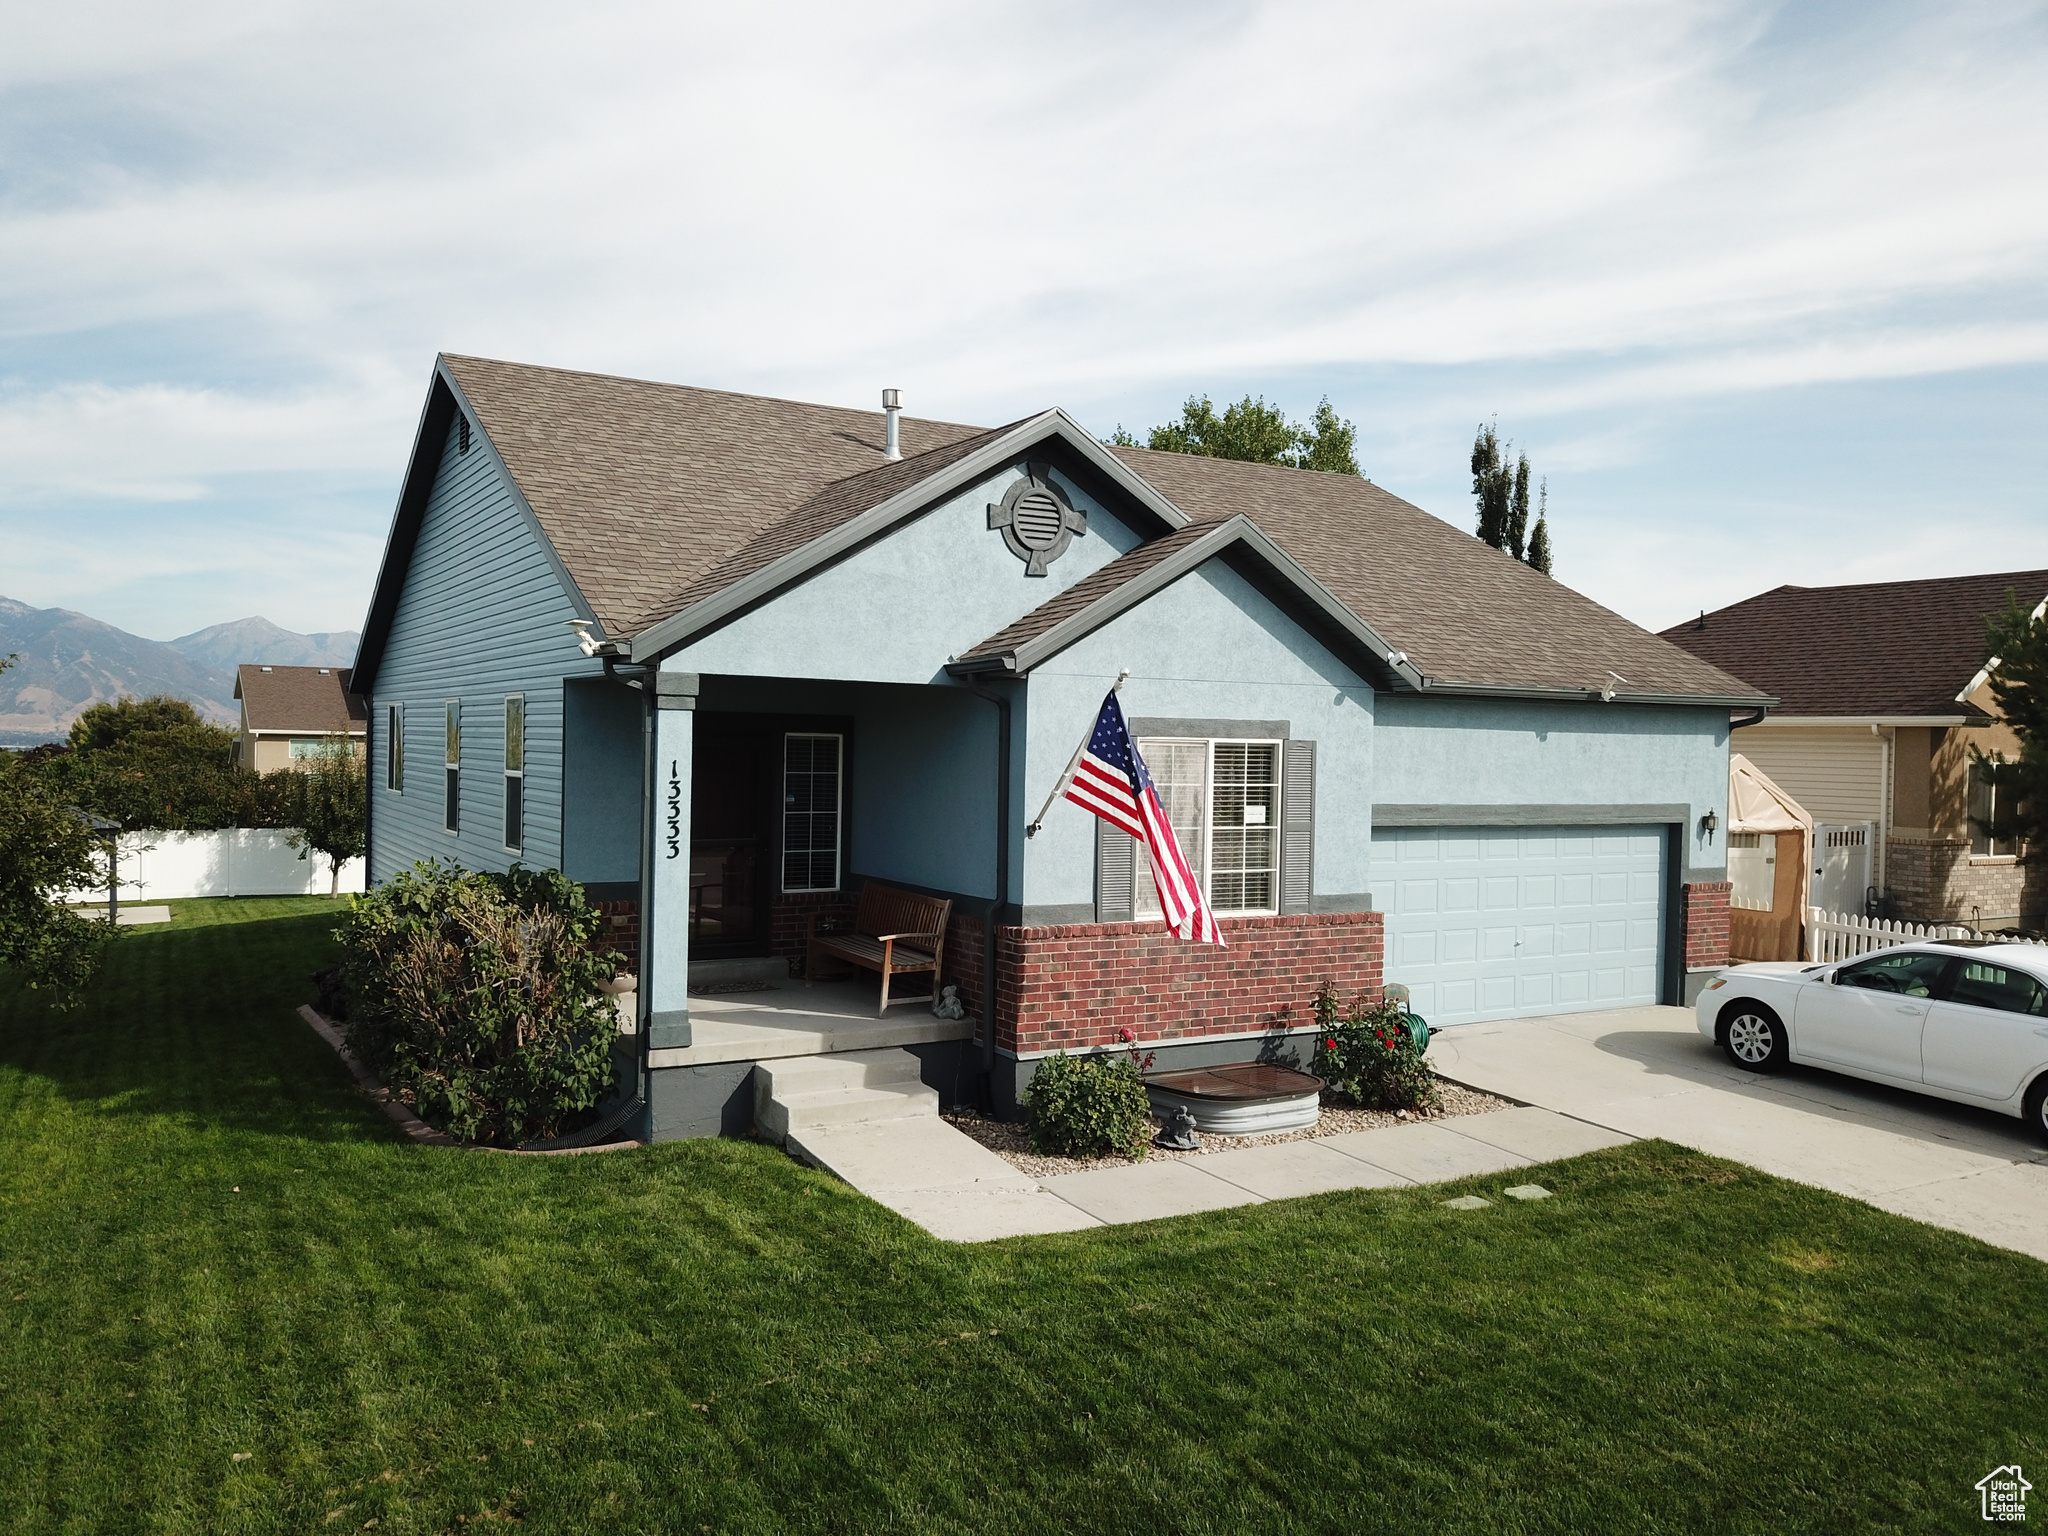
{"x": 306, "y": 701}
{"x": 1463, "y": 611}
{"x": 644, "y": 487}
{"x": 1883, "y": 648}
{"x": 1096, "y": 585}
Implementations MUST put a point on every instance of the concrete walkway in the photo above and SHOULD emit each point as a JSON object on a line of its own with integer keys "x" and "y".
{"x": 956, "y": 1189}
{"x": 1648, "y": 1072}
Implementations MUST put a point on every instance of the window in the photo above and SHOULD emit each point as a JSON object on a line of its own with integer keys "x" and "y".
{"x": 810, "y": 811}
{"x": 306, "y": 747}
{"x": 1223, "y": 799}
{"x": 1752, "y": 869}
{"x": 1983, "y": 985}
{"x": 453, "y": 819}
{"x": 1912, "y": 973}
{"x": 515, "y": 771}
{"x": 394, "y": 748}
{"x": 1985, "y": 807}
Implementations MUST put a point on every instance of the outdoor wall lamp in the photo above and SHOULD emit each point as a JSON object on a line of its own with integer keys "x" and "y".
{"x": 1707, "y": 824}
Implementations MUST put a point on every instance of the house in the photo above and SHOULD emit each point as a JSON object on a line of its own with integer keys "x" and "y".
{"x": 1884, "y": 705}
{"x": 724, "y": 659}
{"x": 290, "y": 714}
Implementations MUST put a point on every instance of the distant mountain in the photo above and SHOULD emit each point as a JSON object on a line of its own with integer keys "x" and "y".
{"x": 226, "y": 646}
{"x": 70, "y": 661}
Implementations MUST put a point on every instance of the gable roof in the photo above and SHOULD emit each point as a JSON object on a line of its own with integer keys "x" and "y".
{"x": 305, "y": 701}
{"x": 670, "y": 510}
{"x": 1882, "y": 649}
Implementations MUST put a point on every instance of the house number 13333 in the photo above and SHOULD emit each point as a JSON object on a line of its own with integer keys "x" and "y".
{"x": 675, "y": 813}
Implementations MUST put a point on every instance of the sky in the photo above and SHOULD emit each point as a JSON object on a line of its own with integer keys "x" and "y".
{"x": 1760, "y": 289}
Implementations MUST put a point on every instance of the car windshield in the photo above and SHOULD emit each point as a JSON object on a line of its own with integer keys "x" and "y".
{"x": 1914, "y": 973}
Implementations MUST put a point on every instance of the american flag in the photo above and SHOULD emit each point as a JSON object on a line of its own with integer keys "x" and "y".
{"x": 1110, "y": 779}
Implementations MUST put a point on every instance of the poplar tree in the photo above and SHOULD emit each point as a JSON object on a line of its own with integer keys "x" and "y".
{"x": 1501, "y": 492}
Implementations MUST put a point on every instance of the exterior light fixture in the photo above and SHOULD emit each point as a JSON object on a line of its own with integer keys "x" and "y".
{"x": 1708, "y": 823}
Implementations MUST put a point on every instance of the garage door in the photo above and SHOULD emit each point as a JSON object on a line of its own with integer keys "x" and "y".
{"x": 1496, "y": 922}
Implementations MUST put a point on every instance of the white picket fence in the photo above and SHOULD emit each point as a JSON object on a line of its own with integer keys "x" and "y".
{"x": 234, "y": 861}
{"x": 1834, "y": 936}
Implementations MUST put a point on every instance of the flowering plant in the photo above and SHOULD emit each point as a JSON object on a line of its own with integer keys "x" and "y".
{"x": 1368, "y": 1054}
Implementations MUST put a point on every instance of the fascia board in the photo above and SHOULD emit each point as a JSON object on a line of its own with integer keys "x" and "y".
{"x": 413, "y": 491}
{"x": 1439, "y": 688}
{"x": 1865, "y": 722}
{"x": 483, "y": 435}
{"x": 679, "y": 629}
{"x": 1230, "y": 534}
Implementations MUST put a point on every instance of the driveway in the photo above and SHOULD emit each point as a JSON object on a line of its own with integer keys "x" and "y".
{"x": 1649, "y": 1072}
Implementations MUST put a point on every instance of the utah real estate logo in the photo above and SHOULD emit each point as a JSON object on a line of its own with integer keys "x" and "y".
{"x": 2005, "y": 1494}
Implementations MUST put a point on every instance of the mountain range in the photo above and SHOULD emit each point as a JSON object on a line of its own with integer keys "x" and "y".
{"x": 70, "y": 661}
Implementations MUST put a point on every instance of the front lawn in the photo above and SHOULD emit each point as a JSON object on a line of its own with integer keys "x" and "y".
{"x": 232, "y": 1299}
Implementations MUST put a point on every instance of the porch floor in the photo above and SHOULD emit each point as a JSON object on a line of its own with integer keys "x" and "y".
{"x": 790, "y": 1019}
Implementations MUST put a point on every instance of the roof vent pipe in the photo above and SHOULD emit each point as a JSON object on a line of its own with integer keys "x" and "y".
{"x": 892, "y": 410}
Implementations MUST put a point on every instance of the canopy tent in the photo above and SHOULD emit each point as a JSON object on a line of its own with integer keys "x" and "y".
{"x": 1757, "y": 805}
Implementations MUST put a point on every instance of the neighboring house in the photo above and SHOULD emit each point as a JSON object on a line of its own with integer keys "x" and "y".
{"x": 724, "y": 658}
{"x": 1882, "y": 701}
{"x": 289, "y": 714}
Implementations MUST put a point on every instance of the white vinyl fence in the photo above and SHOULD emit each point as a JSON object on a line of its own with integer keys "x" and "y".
{"x": 235, "y": 861}
{"x": 1834, "y": 936}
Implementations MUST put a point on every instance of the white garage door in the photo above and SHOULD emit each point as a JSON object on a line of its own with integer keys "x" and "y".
{"x": 1496, "y": 922}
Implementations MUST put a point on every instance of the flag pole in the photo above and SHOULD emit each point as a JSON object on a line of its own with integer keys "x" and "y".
{"x": 1072, "y": 763}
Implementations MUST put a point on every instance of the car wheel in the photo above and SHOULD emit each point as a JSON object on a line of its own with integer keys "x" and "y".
{"x": 1753, "y": 1037}
{"x": 2036, "y": 1111}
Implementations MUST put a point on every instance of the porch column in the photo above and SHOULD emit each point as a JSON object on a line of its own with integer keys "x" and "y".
{"x": 665, "y": 918}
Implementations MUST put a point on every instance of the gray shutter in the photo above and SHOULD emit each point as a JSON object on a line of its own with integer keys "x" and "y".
{"x": 1116, "y": 867}
{"x": 1297, "y": 825}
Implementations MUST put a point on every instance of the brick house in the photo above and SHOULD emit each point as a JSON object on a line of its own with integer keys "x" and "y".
{"x": 724, "y": 659}
{"x": 1884, "y": 704}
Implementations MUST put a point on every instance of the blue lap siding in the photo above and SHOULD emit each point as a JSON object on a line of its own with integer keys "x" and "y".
{"x": 483, "y": 613}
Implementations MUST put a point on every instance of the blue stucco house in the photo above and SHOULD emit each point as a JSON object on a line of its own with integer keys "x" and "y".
{"x": 724, "y": 659}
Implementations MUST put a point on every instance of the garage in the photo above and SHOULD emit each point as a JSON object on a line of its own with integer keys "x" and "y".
{"x": 1498, "y": 922}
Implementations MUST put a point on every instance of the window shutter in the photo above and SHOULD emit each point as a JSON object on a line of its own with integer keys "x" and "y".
{"x": 1116, "y": 870}
{"x": 1297, "y": 825}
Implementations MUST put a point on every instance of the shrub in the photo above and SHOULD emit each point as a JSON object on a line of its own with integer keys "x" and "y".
{"x": 1088, "y": 1106}
{"x": 475, "y": 996}
{"x": 1368, "y": 1055}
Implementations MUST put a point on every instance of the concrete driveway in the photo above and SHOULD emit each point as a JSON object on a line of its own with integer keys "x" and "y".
{"x": 1649, "y": 1072}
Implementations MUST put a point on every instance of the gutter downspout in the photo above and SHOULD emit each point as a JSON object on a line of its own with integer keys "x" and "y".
{"x": 995, "y": 907}
{"x": 1756, "y": 717}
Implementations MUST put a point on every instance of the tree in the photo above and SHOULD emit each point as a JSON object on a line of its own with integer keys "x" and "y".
{"x": 152, "y": 763}
{"x": 334, "y": 807}
{"x": 2017, "y": 641}
{"x": 46, "y": 849}
{"x": 1501, "y": 492}
{"x": 1254, "y": 432}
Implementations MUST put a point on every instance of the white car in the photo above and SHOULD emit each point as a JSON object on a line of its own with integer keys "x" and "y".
{"x": 1964, "y": 1020}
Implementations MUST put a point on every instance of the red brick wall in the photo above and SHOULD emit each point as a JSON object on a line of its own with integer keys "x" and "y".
{"x": 1706, "y": 924}
{"x": 620, "y": 931}
{"x": 1074, "y": 987}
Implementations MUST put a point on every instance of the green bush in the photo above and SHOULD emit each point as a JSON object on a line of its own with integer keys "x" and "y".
{"x": 1088, "y": 1106}
{"x": 1368, "y": 1056}
{"x": 475, "y": 996}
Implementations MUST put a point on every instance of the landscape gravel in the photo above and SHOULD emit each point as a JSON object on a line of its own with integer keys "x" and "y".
{"x": 1012, "y": 1142}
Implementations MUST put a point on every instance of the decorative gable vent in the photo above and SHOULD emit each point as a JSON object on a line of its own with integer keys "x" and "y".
{"x": 461, "y": 433}
{"x": 1037, "y": 520}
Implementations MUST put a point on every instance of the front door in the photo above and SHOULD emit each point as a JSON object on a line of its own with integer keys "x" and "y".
{"x": 732, "y": 860}
{"x": 1869, "y": 1018}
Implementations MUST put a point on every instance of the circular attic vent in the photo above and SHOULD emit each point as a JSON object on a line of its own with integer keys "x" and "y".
{"x": 1037, "y": 520}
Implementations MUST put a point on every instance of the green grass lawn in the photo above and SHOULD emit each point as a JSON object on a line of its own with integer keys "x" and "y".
{"x": 232, "y": 1299}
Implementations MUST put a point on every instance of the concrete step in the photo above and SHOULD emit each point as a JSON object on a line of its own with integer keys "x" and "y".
{"x": 782, "y": 1117}
{"x": 845, "y": 1088}
{"x": 887, "y": 1067}
{"x": 718, "y": 973}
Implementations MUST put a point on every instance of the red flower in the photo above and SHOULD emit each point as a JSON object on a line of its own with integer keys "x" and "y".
{"x": 1330, "y": 1044}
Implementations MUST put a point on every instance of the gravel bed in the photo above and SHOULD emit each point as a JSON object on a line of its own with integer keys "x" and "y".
{"x": 1012, "y": 1143}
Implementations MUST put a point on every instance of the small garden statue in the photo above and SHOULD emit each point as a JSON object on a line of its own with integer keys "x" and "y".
{"x": 949, "y": 1006}
{"x": 1178, "y": 1134}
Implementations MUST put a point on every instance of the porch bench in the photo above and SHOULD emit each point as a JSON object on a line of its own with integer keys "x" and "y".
{"x": 894, "y": 932}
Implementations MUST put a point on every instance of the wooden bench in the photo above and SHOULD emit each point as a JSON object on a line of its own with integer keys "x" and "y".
{"x": 894, "y": 932}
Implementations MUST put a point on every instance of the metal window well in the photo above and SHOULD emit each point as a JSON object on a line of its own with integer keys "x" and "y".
{"x": 1252, "y": 1098}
